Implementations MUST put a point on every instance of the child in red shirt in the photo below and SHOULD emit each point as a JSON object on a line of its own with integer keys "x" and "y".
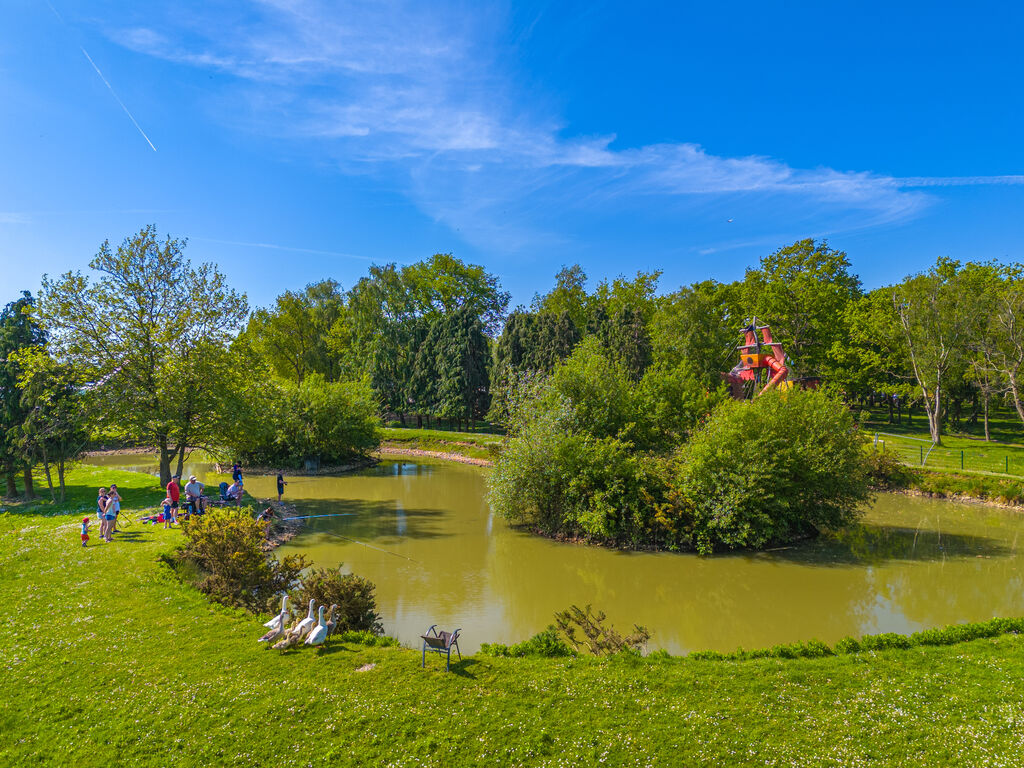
{"x": 85, "y": 531}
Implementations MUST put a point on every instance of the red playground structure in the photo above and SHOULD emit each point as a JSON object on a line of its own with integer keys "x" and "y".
{"x": 756, "y": 355}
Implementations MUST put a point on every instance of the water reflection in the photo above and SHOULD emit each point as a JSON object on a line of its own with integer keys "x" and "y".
{"x": 423, "y": 533}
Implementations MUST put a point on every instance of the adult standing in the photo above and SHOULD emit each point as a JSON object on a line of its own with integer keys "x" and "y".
{"x": 174, "y": 494}
{"x": 107, "y": 527}
{"x": 280, "y": 487}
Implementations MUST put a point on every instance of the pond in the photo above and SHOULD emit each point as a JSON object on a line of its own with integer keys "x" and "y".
{"x": 421, "y": 530}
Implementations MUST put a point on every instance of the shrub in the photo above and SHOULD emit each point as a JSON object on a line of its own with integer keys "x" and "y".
{"x": 357, "y": 606}
{"x": 283, "y": 424}
{"x": 363, "y": 637}
{"x": 886, "y": 472}
{"x": 227, "y": 555}
{"x": 771, "y": 470}
{"x": 571, "y": 484}
{"x": 547, "y": 644}
{"x": 598, "y": 638}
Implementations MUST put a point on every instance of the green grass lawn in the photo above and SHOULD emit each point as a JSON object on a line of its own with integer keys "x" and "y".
{"x": 108, "y": 660}
{"x": 477, "y": 445}
{"x": 963, "y": 449}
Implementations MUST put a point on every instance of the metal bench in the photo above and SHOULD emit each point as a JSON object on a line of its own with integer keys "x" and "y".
{"x": 440, "y": 643}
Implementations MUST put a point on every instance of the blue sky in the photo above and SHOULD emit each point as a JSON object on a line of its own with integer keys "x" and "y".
{"x": 302, "y": 139}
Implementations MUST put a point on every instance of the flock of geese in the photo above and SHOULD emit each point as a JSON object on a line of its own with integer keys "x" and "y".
{"x": 305, "y": 630}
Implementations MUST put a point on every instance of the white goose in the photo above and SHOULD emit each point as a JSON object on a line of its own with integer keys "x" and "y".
{"x": 307, "y": 623}
{"x": 318, "y": 633}
{"x": 283, "y": 615}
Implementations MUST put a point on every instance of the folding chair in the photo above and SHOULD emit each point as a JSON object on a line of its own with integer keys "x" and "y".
{"x": 440, "y": 643}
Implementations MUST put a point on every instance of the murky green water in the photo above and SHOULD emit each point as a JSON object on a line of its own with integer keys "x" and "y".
{"x": 422, "y": 532}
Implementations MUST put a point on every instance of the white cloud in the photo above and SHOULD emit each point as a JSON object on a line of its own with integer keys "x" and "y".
{"x": 418, "y": 91}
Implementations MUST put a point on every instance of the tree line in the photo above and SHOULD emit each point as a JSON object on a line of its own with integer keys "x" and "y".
{"x": 148, "y": 348}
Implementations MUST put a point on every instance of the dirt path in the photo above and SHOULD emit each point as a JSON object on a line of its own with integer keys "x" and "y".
{"x": 390, "y": 450}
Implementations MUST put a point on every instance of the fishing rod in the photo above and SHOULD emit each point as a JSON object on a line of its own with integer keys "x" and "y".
{"x": 385, "y": 551}
{"x": 309, "y": 517}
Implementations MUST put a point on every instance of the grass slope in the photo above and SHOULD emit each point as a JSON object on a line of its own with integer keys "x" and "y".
{"x": 107, "y": 660}
{"x": 475, "y": 445}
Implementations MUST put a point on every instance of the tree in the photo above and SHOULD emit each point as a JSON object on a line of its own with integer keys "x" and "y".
{"x": 451, "y": 367}
{"x": 293, "y": 336}
{"x": 801, "y": 291}
{"x": 19, "y": 331}
{"x": 568, "y": 296}
{"x": 147, "y": 335}
{"x": 54, "y": 430}
{"x": 390, "y": 310}
{"x": 444, "y": 284}
{"x": 1003, "y": 348}
{"x": 939, "y": 313}
{"x": 695, "y": 327}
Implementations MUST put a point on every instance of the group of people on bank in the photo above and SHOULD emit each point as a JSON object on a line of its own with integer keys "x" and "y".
{"x": 108, "y": 507}
{"x": 108, "y": 503}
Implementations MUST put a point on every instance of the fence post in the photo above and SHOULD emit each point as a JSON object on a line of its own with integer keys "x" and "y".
{"x": 961, "y": 459}
{"x": 1007, "y": 457}
{"x": 922, "y": 455}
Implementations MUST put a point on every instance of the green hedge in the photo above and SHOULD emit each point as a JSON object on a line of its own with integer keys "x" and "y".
{"x": 956, "y": 633}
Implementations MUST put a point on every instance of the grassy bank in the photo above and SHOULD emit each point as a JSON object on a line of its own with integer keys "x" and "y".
{"x": 473, "y": 445}
{"x": 107, "y": 659}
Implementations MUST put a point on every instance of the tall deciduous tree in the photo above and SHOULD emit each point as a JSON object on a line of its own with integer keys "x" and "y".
{"x": 802, "y": 291}
{"x": 939, "y": 315}
{"x": 146, "y": 335}
{"x": 293, "y": 335}
{"x": 695, "y": 327}
{"x": 19, "y": 332}
{"x": 55, "y": 429}
{"x": 568, "y": 296}
{"x": 1003, "y": 347}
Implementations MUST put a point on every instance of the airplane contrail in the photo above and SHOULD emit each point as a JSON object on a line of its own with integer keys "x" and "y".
{"x": 114, "y": 94}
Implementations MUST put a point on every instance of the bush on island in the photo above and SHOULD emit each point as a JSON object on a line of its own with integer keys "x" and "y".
{"x": 768, "y": 471}
{"x": 754, "y": 473}
{"x": 281, "y": 424}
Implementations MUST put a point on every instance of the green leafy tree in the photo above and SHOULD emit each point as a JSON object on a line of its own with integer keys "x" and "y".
{"x": 144, "y": 336}
{"x": 781, "y": 467}
{"x": 696, "y": 327}
{"x": 451, "y": 369}
{"x": 1001, "y": 349}
{"x": 293, "y": 337}
{"x": 802, "y": 291}
{"x": 569, "y": 296}
{"x": 939, "y": 314}
{"x": 391, "y": 309}
{"x": 55, "y": 428}
{"x": 284, "y": 424}
{"x": 19, "y": 333}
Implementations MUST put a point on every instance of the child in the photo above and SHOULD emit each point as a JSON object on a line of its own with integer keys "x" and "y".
{"x": 115, "y": 498}
{"x": 85, "y": 531}
{"x": 168, "y": 516}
